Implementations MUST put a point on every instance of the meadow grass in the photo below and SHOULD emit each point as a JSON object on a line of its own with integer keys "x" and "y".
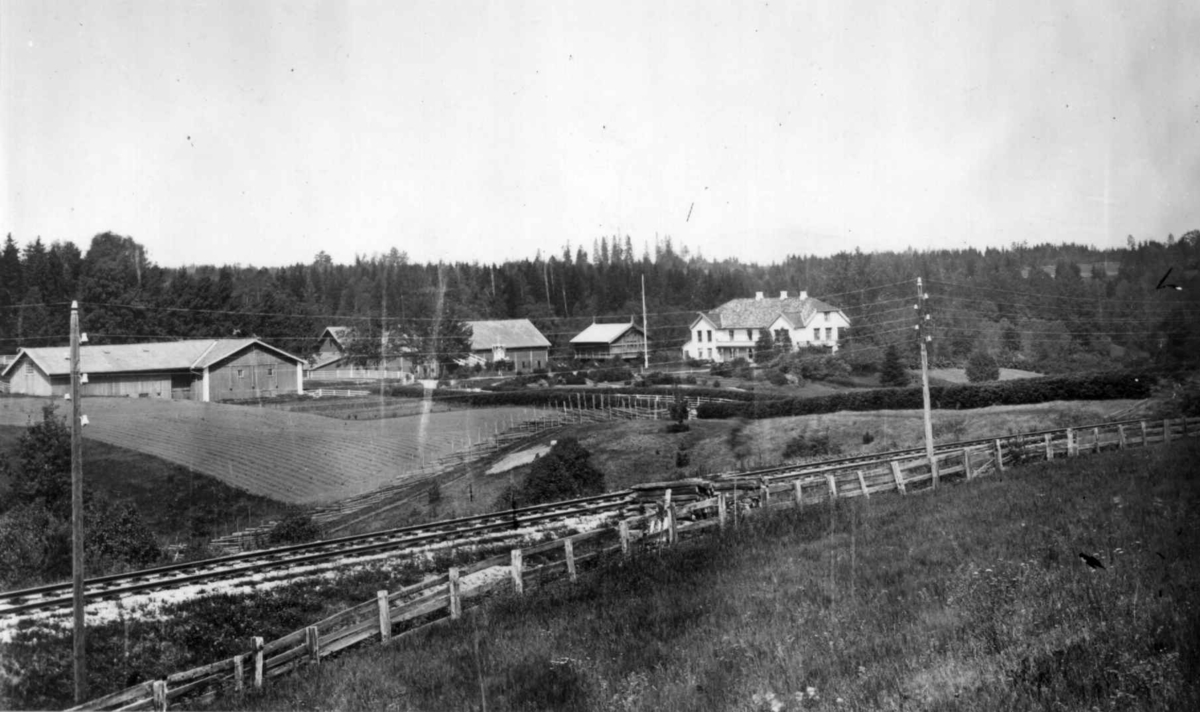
{"x": 972, "y": 596}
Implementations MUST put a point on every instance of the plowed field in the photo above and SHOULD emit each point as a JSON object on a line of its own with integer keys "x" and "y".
{"x": 291, "y": 457}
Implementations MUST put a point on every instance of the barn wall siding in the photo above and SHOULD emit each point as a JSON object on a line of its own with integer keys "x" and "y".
{"x": 253, "y": 373}
{"x": 26, "y": 378}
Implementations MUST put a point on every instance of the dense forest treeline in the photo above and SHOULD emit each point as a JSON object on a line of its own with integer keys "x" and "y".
{"x": 1048, "y": 307}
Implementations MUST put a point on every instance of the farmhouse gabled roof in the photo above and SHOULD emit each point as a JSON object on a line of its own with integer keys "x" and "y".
{"x": 509, "y": 333}
{"x": 339, "y": 334}
{"x": 761, "y": 313}
{"x": 131, "y": 358}
{"x": 604, "y": 333}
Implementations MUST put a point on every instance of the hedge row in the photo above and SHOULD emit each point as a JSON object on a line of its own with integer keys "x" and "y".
{"x": 1098, "y": 386}
{"x": 537, "y": 397}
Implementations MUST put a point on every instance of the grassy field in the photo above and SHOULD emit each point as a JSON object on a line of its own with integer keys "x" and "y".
{"x": 959, "y": 375}
{"x": 632, "y": 452}
{"x": 290, "y": 457}
{"x": 968, "y": 597}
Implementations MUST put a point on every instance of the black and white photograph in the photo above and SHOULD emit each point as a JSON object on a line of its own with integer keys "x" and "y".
{"x": 523, "y": 355}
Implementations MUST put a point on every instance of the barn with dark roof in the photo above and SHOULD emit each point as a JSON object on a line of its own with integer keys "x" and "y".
{"x": 197, "y": 369}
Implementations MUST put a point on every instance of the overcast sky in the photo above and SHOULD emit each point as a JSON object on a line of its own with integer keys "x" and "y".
{"x": 264, "y": 132}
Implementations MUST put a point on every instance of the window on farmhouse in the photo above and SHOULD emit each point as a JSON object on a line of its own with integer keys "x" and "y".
{"x": 710, "y": 335}
{"x": 749, "y": 334}
{"x": 240, "y": 373}
{"x": 816, "y": 334}
{"x": 828, "y": 334}
{"x": 731, "y": 334}
{"x": 826, "y": 316}
{"x": 699, "y": 336}
{"x": 270, "y": 371}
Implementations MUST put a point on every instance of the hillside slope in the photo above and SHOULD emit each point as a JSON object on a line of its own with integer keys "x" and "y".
{"x": 969, "y": 597}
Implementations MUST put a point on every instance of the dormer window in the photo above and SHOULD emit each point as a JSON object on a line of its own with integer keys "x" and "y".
{"x": 826, "y": 316}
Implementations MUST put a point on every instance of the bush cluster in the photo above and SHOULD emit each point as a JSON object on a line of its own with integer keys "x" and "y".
{"x": 1097, "y": 386}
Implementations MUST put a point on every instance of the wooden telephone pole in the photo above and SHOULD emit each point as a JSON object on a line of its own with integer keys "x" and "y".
{"x": 645, "y": 330}
{"x": 924, "y": 337}
{"x": 77, "y": 512}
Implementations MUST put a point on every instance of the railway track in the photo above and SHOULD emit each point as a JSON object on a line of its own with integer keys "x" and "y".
{"x": 53, "y": 596}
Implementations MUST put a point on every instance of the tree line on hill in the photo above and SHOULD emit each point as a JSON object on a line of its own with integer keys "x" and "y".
{"x": 1043, "y": 307}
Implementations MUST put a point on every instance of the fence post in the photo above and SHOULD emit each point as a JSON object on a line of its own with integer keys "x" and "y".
{"x": 569, "y": 552}
{"x": 999, "y": 456}
{"x": 623, "y": 533}
{"x": 1095, "y": 439}
{"x": 455, "y": 601}
{"x": 832, "y": 485}
{"x": 258, "y": 662}
{"x": 766, "y": 494}
{"x": 312, "y": 641}
{"x": 672, "y": 535}
{"x": 797, "y": 487}
{"x": 966, "y": 458}
{"x": 1166, "y": 430}
{"x": 385, "y": 619}
{"x": 159, "y": 688}
{"x": 721, "y": 511}
{"x": 735, "y": 502}
{"x": 862, "y": 483}
{"x": 897, "y": 477}
{"x": 1049, "y": 448}
{"x": 1071, "y": 448}
{"x": 518, "y": 574}
{"x": 1121, "y": 437}
{"x": 1145, "y": 441}
{"x": 239, "y": 673}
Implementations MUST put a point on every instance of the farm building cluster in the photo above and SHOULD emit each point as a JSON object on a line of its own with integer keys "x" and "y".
{"x": 232, "y": 369}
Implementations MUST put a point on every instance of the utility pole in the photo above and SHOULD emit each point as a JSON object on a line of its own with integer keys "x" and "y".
{"x": 924, "y": 337}
{"x": 77, "y": 512}
{"x": 645, "y": 330}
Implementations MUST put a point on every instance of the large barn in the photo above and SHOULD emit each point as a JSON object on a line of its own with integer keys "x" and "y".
{"x": 199, "y": 369}
{"x": 517, "y": 341}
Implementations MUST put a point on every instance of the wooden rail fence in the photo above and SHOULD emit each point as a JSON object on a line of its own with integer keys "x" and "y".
{"x": 393, "y": 616}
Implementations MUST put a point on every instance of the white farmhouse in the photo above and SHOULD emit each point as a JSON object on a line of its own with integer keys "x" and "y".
{"x": 731, "y": 330}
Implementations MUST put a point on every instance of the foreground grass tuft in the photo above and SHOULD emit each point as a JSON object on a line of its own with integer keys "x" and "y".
{"x": 970, "y": 597}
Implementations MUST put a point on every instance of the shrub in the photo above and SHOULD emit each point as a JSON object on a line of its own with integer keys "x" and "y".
{"x": 296, "y": 528}
{"x": 892, "y": 372}
{"x": 563, "y": 473}
{"x": 809, "y": 446}
{"x": 678, "y": 428}
{"x": 868, "y": 437}
{"x": 682, "y": 458}
{"x": 776, "y": 377}
{"x": 982, "y": 367}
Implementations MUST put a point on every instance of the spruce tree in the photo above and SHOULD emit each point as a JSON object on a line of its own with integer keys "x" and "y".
{"x": 892, "y": 372}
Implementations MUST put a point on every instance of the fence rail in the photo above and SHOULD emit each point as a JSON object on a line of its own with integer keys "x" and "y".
{"x": 394, "y": 615}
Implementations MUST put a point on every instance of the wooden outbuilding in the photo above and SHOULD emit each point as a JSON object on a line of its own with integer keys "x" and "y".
{"x": 604, "y": 341}
{"x": 198, "y": 369}
{"x": 517, "y": 341}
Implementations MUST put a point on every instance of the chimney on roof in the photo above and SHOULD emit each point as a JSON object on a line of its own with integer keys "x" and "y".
{"x": 758, "y": 296}
{"x": 783, "y": 295}
{"x": 803, "y": 294}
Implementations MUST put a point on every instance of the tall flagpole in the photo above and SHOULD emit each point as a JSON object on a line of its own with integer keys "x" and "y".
{"x": 77, "y": 512}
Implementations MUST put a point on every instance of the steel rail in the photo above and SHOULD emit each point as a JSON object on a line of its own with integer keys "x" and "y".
{"x": 282, "y": 557}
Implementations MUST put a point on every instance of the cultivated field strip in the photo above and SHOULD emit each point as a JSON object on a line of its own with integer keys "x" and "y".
{"x": 329, "y": 552}
{"x": 287, "y": 456}
{"x": 393, "y": 616}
